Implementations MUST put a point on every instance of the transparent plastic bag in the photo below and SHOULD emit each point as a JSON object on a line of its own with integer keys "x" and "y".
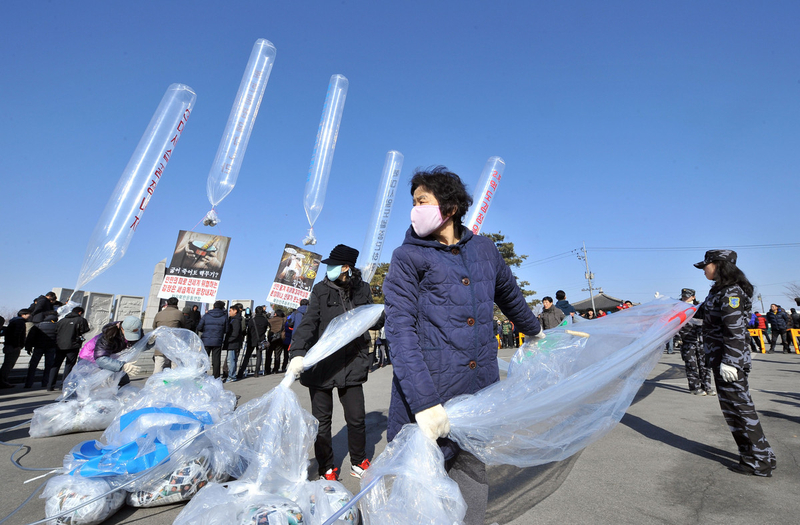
{"x": 115, "y": 228}
{"x": 197, "y": 469}
{"x": 381, "y": 211}
{"x": 561, "y": 394}
{"x": 230, "y": 154}
{"x": 65, "y": 492}
{"x": 412, "y": 486}
{"x": 268, "y": 440}
{"x": 484, "y": 192}
{"x": 565, "y": 392}
{"x": 322, "y": 157}
{"x": 90, "y": 399}
{"x": 173, "y": 409}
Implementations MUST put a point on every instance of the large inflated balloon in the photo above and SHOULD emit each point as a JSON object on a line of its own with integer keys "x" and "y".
{"x": 322, "y": 158}
{"x": 376, "y": 235}
{"x": 138, "y": 182}
{"x": 232, "y": 147}
{"x": 484, "y": 193}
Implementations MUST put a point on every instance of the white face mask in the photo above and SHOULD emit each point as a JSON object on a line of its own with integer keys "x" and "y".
{"x": 426, "y": 218}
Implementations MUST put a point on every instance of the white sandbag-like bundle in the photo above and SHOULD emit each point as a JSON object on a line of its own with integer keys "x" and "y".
{"x": 561, "y": 394}
{"x": 90, "y": 399}
{"x": 156, "y": 450}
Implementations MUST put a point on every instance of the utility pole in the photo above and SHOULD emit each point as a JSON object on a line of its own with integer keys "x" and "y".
{"x": 589, "y": 275}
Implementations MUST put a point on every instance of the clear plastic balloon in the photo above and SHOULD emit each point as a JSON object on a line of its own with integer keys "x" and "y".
{"x": 376, "y": 235}
{"x": 138, "y": 182}
{"x": 484, "y": 193}
{"x": 561, "y": 394}
{"x": 232, "y": 147}
{"x": 322, "y": 158}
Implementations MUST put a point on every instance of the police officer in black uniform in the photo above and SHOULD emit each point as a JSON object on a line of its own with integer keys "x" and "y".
{"x": 724, "y": 314}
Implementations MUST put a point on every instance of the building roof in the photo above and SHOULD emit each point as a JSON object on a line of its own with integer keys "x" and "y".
{"x": 602, "y": 301}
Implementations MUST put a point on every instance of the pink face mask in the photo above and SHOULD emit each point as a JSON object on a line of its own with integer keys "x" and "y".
{"x": 425, "y": 218}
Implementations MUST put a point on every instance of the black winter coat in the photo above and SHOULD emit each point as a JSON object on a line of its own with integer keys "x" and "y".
{"x": 349, "y": 366}
{"x": 235, "y": 334}
{"x": 14, "y": 334}
{"x": 778, "y": 321}
{"x": 43, "y": 335}
{"x": 42, "y": 306}
{"x": 257, "y": 329}
{"x": 214, "y": 326}
{"x": 70, "y": 330}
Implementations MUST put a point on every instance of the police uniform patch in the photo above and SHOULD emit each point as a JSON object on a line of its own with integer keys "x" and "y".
{"x": 733, "y": 302}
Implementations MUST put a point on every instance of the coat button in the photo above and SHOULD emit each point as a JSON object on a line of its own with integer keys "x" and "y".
{"x": 473, "y": 365}
{"x": 470, "y": 321}
{"x": 465, "y": 281}
{"x": 455, "y": 251}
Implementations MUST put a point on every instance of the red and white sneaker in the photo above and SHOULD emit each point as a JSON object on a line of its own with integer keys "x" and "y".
{"x": 331, "y": 475}
{"x": 358, "y": 470}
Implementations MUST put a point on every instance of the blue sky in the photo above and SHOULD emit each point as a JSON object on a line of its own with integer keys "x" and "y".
{"x": 622, "y": 124}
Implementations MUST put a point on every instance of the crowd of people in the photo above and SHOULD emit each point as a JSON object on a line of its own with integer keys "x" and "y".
{"x": 440, "y": 296}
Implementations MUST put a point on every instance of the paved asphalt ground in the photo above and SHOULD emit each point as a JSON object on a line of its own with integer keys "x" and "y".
{"x": 665, "y": 463}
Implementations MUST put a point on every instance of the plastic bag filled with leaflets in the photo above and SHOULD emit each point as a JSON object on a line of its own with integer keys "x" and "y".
{"x": 90, "y": 399}
{"x": 560, "y": 395}
{"x": 270, "y": 439}
{"x": 156, "y": 447}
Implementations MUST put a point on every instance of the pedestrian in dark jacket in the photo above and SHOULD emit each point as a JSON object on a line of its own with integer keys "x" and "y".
{"x": 234, "y": 337}
{"x": 69, "y": 338}
{"x": 551, "y": 315}
{"x": 563, "y": 305}
{"x": 276, "y": 345}
{"x": 195, "y": 316}
{"x": 42, "y": 305}
{"x": 724, "y": 315}
{"x": 170, "y": 317}
{"x": 778, "y": 320}
{"x": 42, "y": 340}
{"x": 346, "y": 370}
{"x": 212, "y": 329}
{"x": 257, "y": 328}
{"x": 14, "y": 337}
{"x": 440, "y": 291}
{"x": 188, "y": 319}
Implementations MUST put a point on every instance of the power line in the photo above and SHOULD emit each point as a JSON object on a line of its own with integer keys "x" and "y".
{"x": 548, "y": 259}
{"x": 688, "y": 248}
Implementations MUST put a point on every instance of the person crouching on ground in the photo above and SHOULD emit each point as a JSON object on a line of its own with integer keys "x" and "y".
{"x": 440, "y": 291}
{"x": 115, "y": 338}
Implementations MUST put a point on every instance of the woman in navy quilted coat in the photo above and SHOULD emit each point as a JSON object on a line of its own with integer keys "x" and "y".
{"x": 439, "y": 293}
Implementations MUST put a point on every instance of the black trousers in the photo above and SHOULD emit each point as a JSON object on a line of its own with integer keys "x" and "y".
{"x": 9, "y": 360}
{"x": 215, "y": 352}
{"x": 352, "y": 400}
{"x": 774, "y": 340}
{"x": 49, "y": 356}
{"x": 71, "y": 357}
{"x": 280, "y": 350}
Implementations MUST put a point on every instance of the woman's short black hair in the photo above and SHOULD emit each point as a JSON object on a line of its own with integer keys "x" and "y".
{"x": 448, "y": 189}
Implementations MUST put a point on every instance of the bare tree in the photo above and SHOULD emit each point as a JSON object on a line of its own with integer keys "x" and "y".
{"x": 793, "y": 291}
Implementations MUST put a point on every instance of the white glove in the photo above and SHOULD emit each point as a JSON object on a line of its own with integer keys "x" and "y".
{"x": 540, "y": 335}
{"x": 433, "y": 422}
{"x": 728, "y": 373}
{"x": 295, "y": 366}
{"x": 131, "y": 369}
